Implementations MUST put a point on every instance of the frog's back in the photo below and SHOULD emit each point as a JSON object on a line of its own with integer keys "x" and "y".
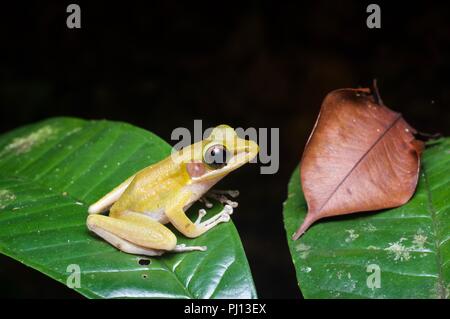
{"x": 152, "y": 187}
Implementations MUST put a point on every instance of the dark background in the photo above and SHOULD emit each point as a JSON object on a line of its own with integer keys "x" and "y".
{"x": 162, "y": 65}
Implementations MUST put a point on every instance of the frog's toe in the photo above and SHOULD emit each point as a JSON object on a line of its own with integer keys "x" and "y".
{"x": 183, "y": 248}
{"x": 201, "y": 214}
{"x": 221, "y": 196}
{"x": 231, "y": 192}
{"x": 206, "y": 202}
{"x": 222, "y": 217}
{"x": 228, "y": 210}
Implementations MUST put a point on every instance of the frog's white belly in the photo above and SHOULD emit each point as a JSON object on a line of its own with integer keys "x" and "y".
{"x": 197, "y": 190}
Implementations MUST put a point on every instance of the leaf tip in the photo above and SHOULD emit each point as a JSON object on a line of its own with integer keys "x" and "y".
{"x": 309, "y": 220}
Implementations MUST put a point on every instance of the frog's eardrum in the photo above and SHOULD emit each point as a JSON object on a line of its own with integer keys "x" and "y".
{"x": 361, "y": 156}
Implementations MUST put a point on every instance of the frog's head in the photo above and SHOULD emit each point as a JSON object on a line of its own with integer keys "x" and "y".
{"x": 220, "y": 153}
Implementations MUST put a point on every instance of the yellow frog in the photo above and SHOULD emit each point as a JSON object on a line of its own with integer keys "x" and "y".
{"x": 162, "y": 192}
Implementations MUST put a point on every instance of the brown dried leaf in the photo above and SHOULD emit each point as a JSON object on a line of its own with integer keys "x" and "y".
{"x": 361, "y": 156}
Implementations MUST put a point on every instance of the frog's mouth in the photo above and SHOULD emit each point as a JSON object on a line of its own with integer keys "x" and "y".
{"x": 241, "y": 155}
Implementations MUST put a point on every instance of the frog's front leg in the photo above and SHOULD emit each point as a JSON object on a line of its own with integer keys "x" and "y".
{"x": 178, "y": 218}
{"x": 104, "y": 203}
{"x": 136, "y": 233}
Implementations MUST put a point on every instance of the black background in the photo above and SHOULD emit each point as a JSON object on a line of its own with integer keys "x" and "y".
{"x": 259, "y": 64}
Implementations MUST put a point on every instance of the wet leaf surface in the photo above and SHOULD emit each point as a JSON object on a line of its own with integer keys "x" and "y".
{"x": 409, "y": 244}
{"x": 49, "y": 174}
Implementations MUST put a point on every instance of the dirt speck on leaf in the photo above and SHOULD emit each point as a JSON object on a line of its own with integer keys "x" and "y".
{"x": 352, "y": 235}
{"x": 24, "y": 144}
{"x": 370, "y": 228}
{"x": 440, "y": 291}
{"x": 399, "y": 251}
{"x": 419, "y": 240}
{"x": 75, "y": 130}
{"x": 303, "y": 250}
{"x": 306, "y": 269}
{"x": 350, "y": 285}
{"x": 6, "y": 197}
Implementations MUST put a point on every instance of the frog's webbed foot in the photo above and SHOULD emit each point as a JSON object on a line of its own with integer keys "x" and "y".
{"x": 222, "y": 197}
{"x": 222, "y": 217}
{"x": 192, "y": 229}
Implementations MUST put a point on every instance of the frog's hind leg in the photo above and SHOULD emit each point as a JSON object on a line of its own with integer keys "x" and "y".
{"x": 136, "y": 233}
{"x": 125, "y": 245}
{"x": 133, "y": 233}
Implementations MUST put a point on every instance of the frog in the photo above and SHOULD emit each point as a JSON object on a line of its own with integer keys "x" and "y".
{"x": 139, "y": 209}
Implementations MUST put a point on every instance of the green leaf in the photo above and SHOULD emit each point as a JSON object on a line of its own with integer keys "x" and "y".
{"x": 409, "y": 244}
{"x": 49, "y": 174}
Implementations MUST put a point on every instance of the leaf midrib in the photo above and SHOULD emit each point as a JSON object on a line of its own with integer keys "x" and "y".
{"x": 399, "y": 116}
{"x": 440, "y": 279}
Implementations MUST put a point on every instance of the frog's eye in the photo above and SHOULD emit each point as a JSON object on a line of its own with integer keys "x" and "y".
{"x": 216, "y": 156}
